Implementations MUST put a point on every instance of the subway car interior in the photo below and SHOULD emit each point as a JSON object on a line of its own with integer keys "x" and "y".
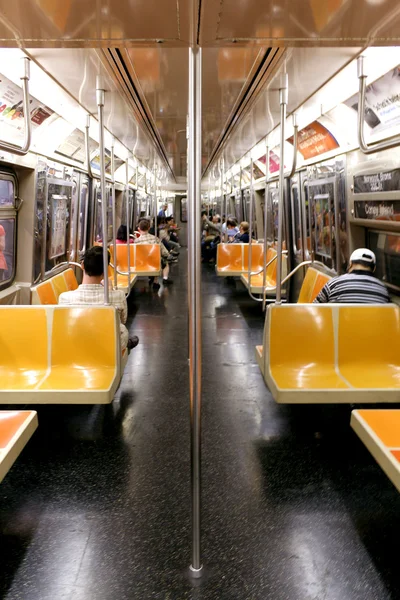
{"x": 193, "y": 408}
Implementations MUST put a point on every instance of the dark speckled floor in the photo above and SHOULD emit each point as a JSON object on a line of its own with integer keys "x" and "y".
{"x": 97, "y": 506}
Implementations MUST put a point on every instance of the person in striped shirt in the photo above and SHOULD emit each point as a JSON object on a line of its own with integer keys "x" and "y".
{"x": 359, "y": 285}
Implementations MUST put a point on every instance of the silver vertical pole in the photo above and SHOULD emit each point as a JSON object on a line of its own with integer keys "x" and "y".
{"x": 128, "y": 239}
{"x": 221, "y": 168}
{"x": 283, "y": 100}
{"x": 100, "y": 97}
{"x": 114, "y": 213}
{"x": 194, "y": 272}
{"x": 265, "y": 227}
{"x": 155, "y": 199}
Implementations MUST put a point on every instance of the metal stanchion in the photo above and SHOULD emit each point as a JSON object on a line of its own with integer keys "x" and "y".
{"x": 283, "y": 100}
{"x": 100, "y": 97}
{"x": 265, "y": 227}
{"x": 194, "y": 273}
{"x": 114, "y": 213}
{"x": 128, "y": 239}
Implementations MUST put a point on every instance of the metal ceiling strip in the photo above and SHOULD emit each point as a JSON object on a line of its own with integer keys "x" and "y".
{"x": 256, "y": 82}
{"x": 125, "y": 81}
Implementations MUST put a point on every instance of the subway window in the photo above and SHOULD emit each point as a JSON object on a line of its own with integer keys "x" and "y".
{"x": 8, "y": 229}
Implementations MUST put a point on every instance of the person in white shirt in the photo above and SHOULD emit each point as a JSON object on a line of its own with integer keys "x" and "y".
{"x": 91, "y": 291}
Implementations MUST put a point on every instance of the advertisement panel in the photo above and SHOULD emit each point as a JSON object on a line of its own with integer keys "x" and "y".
{"x": 12, "y": 112}
{"x": 313, "y": 140}
{"x": 382, "y": 101}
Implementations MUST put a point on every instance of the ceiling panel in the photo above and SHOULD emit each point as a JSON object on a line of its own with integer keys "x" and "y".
{"x": 76, "y": 70}
{"x": 92, "y": 23}
{"x": 307, "y": 71}
{"x": 300, "y": 22}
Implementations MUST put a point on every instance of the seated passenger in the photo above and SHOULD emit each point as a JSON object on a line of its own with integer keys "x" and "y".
{"x": 163, "y": 232}
{"x": 231, "y": 229}
{"x": 91, "y": 291}
{"x": 243, "y": 235}
{"x": 359, "y": 285}
{"x": 147, "y": 238}
{"x": 172, "y": 229}
{"x": 122, "y": 236}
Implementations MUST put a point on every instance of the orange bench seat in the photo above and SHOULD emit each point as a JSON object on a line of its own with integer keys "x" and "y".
{"x": 379, "y": 430}
{"x": 16, "y": 428}
{"x": 332, "y": 353}
{"x": 312, "y": 284}
{"x": 49, "y": 291}
{"x": 59, "y": 354}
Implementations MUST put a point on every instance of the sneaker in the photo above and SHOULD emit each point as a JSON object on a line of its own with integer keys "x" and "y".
{"x": 156, "y": 286}
{"x": 175, "y": 252}
{"x": 171, "y": 258}
{"x": 167, "y": 282}
{"x": 133, "y": 342}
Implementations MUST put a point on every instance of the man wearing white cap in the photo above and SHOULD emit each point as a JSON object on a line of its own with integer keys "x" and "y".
{"x": 359, "y": 285}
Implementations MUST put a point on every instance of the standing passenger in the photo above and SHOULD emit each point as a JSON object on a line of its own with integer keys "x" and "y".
{"x": 359, "y": 285}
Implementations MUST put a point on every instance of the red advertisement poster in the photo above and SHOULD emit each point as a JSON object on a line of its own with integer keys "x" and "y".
{"x": 314, "y": 140}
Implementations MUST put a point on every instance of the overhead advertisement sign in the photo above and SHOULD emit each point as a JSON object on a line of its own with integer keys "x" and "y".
{"x": 382, "y": 101}
{"x": 313, "y": 140}
{"x": 12, "y": 112}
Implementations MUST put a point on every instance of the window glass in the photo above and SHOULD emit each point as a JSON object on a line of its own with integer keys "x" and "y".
{"x": 386, "y": 247}
{"x": 7, "y": 196}
{"x": 7, "y": 250}
{"x": 98, "y": 233}
{"x": 58, "y": 224}
{"x": 74, "y": 210}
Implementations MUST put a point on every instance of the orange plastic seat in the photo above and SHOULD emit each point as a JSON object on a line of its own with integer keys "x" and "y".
{"x": 44, "y": 294}
{"x": 257, "y": 280}
{"x": 49, "y": 291}
{"x": 379, "y": 430}
{"x": 70, "y": 280}
{"x": 229, "y": 259}
{"x": 24, "y": 348}
{"x": 257, "y": 256}
{"x": 369, "y": 346}
{"x": 89, "y": 336}
{"x": 16, "y": 428}
{"x": 332, "y": 353}
{"x": 59, "y": 354}
{"x": 301, "y": 352}
{"x": 147, "y": 259}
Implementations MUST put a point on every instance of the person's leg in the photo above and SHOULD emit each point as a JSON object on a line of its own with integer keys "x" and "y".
{"x": 173, "y": 245}
{"x": 167, "y": 245}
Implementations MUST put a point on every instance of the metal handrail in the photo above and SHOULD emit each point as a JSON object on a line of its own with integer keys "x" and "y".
{"x": 267, "y": 264}
{"x": 266, "y": 193}
{"x": 87, "y": 146}
{"x": 100, "y": 98}
{"x": 364, "y": 147}
{"x": 283, "y": 101}
{"x": 66, "y": 263}
{"x": 299, "y": 266}
{"x": 114, "y": 208}
{"x": 24, "y": 149}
